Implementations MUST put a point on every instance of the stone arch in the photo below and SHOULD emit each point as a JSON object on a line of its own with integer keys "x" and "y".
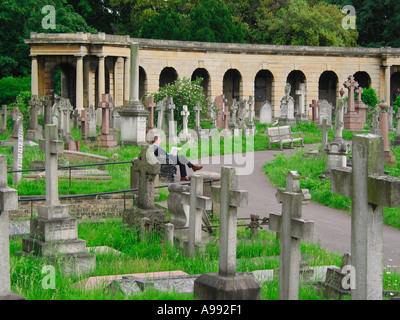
{"x": 262, "y": 88}
{"x": 167, "y": 76}
{"x": 142, "y": 82}
{"x": 295, "y": 77}
{"x": 328, "y": 86}
{"x": 363, "y": 79}
{"x": 203, "y": 73}
{"x": 63, "y": 81}
{"x": 232, "y": 85}
{"x": 394, "y": 83}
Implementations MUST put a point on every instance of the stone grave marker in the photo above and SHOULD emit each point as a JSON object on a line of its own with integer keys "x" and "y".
{"x": 219, "y": 103}
{"x": 292, "y": 228}
{"x": 84, "y": 119}
{"x": 324, "y": 127}
{"x": 66, "y": 109}
{"x": 383, "y": 126}
{"x": 242, "y": 111}
{"x": 314, "y": 107}
{"x": 391, "y": 114}
{"x": 92, "y": 124}
{"x": 251, "y": 127}
{"x": 370, "y": 190}
{"x": 116, "y": 118}
{"x": 325, "y": 112}
{"x": 266, "y": 113}
{"x": 47, "y": 104}
{"x": 106, "y": 140}
{"x": 8, "y": 202}
{"x": 18, "y": 149}
{"x": 33, "y": 133}
{"x": 53, "y": 233}
{"x": 301, "y": 111}
{"x": 147, "y": 167}
{"x": 351, "y": 118}
{"x": 197, "y": 205}
{"x": 197, "y": 127}
{"x": 184, "y": 135}
{"x": 172, "y": 129}
{"x": 287, "y": 108}
{"x": 360, "y": 107}
{"x": 233, "y": 125}
{"x": 227, "y": 284}
{"x": 396, "y": 140}
{"x": 150, "y": 105}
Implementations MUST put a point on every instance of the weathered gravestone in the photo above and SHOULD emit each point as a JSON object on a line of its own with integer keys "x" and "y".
{"x": 172, "y": 125}
{"x": 219, "y": 103}
{"x": 92, "y": 125}
{"x": 148, "y": 167}
{"x": 18, "y": 149}
{"x": 292, "y": 228}
{"x": 301, "y": 108}
{"x": 324, "y": 127}
{"x": 84, "y": 119}
{"x": 53, "y": 233}
{"x": 251, "y": 127}
{"x": 8, "y": 202}
{"x": 396, "y": 140}
{"x": 106, "y": 140}
{"x": 314, "y": 107}
{"x": 370, "y": 191}
{"x": 325, "y": 111}
{"x": 184, "y": 135}
{"x": 233, "y": 125}
{"x": 197, "y": 205}
{"x": 33, "y": 133}
{"x": 383, "y": 126}
{"x": 47, "y": 104}
{"x": 266, "y": 113}
{"x": 150, "y": 121}
{"x": 360, "y": 107}
{"x": 391, "y": 114}
{"x": 287, "y": 108}
{"x": 351, "y": 118}
{"x": 227, "y": 284}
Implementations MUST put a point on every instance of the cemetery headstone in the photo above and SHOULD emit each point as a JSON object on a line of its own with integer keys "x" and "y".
{"x": 84, "y": 119}
{"x": 92, "y": 125}
{"x": 287, "y": 108}
{"x": 233, "y": 125}
{"x": 370, "y": 190}
{"x": 301, "y": 110}
{"x": 325, "y": 111}
{"x": 337, "y": 148}
{"x": 351, "y": 118}
{"x": 53, "y": 233}
{"x": 242, "y": 111}
{"x": 66, "y": 109}
{"x": 251, "y": 127}
{"x": 184, "y": 135}
{"x": 227, "y": 284}
{"x": 324, "y": 127}
{"x": 197, "y": 127}
{"x": 375, "y": 128}
{"x": 33, "y": 133}
{"x": 292, "y": 228}
{"x": 150, "y": 105}
{"x": 360, "y": 107}
{"x": 106, "y": 140}
{"x": 148, "y": 167}
{"x": 47, "y": 104}
{"x": 383, "y": 126}
{"x": 197, "y": 205}
{"x": 266, "y": 113}
{"x": 172, "y": 125}
{"x": 18, "y": 149}
{"x": 8, "y": 202}
{"x": 219, "y": 103}
{"x": 391, "y": 114}
{"x": 314, "y": 107}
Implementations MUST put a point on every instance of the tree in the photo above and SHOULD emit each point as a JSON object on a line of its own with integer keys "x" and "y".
{"x": 212, "y": 21}
{"x": 312, "y": 25}
{"x": 18, "y": 18}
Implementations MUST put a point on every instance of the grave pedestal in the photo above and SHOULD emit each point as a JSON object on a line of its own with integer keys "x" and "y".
{"x": 132, "y": 217}
{"x": 213, "y": 286}
{"x": 33, "y": 135}
{"x": 133, "y": 124}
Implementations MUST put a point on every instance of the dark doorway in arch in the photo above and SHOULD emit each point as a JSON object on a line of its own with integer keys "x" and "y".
{"x": 142, "y": 82}
{"x": 262, "y": 89}
{"x": 294, "y": 79}
{"x": 106, "y": 85}
{"x": 394, "y": 84}
{"x": 202, "y": 73}
{"x": 64, "y": 82}
{"x": 363, "y": 79}
{"x": 231, "y": 85}
{"x": 327, "y": 87}
{"x": 167, "y": 76}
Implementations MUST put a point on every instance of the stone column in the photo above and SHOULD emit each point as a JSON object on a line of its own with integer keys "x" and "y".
{"x": 387, "y": 82}
{"x": 126, "y": 78}
{"x": 8, "y": 202}
{"x": 34, "y": 77}
{"x": 102, "y": 79}
{"x": 79, "y": 83}
{"x": 383, "y": 125}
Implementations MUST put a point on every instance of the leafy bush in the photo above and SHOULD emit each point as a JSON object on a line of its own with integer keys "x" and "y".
{"x": 370, "y": 98}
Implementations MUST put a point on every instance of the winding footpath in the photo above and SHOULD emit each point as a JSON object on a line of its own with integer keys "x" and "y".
{"x": 332, "y": 227}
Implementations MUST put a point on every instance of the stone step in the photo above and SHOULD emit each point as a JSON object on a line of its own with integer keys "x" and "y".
{"x": 37, "y": 247}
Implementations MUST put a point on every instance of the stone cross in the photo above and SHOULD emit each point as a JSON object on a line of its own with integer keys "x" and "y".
{"x": 150, "y": 105}
{"x": 3, "y": 118}
{"x": 84, "y": 119}
{"x": 105, "y": 105}
{"x": 18, "y": 149}
{"x": 230, "y": 198}
{"x": 383, "y": 126}
{"x": 35, "y": 104}
{"x": 370, "y": 190}
{"x": 65, "y": 110}
{"x": 197, "y": 204}
{"x": 148, "y": 168}
{"x": 314, "y": 105}
{"x": 8, "y": 202}
{"x": 172, "y": 134}
{"x": 324, "y": 127}
{"x": 52, "y": 147}
{"x": 197, "y": 108}
{"x": 302, "y": 98}
{"x": 351, "y": 85}
{"x": 185, "y": 114}
{"x": 292, "y": 228}
{"x": 47, "y": 104}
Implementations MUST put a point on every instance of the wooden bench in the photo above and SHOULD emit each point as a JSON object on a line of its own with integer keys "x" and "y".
{"x": 283, "y": 135}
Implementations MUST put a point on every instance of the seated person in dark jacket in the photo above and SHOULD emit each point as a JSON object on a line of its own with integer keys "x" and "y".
{"x": 167, "y": 158}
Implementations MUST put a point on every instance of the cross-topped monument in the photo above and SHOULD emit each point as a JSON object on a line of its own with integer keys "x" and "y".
{"x": 172, "y": 134}
{"x": 84, "y": 119}
{"x": 370, "y": 190}
{"x": 227, "y": 284}
{"x": 197, "y": 127}
{"x": 352, "y": 119}
{"x": 251, "y": 127}
{"x": 150, "y": 121}
{"x": 33, "y": 133}
{"x": 53, "y": 233}
{"x": 292, "y": 228}
{"x": 8, "y": 202}
{"x": 106, "y": 140}
{"x": 184, "y": 135}
{"x": 314, "y": 106}
{"x": 197, "y": 204}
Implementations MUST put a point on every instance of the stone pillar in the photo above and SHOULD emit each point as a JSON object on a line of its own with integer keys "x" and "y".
{"x": 34, "y": 77}
{"x": 8, "y": 202}
{"x": 383, "y": 125}
{"x": 126, "y": 78}
{"x": 387, "y": 82}
{"x": 79, "y": 83}
{"x": 101, "y": 86}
